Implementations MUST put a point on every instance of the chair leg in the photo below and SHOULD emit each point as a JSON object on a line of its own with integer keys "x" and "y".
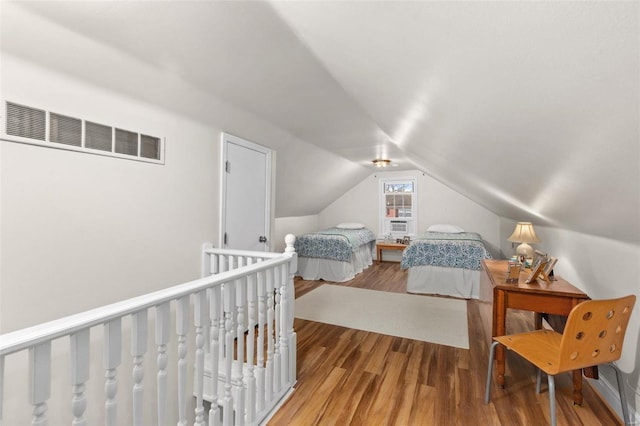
{"x": 492, "y": 354}
{"x": 552, "y": 398}
{"x": 623, "y": 398}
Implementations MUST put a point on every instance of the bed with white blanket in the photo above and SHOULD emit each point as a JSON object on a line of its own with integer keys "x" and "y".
{"x": 445, "y": 263}
{"x": 335, "y": 254}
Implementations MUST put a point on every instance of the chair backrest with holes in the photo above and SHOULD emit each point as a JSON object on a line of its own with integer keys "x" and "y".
{"x": 594, "y": 333}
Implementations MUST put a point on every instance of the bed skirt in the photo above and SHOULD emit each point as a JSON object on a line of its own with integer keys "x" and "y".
{"x": 313, "y": 268}
{"x": 454, "y": 282}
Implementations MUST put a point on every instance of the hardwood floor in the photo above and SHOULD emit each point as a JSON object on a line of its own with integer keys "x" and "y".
{"x": 348, "y": 376}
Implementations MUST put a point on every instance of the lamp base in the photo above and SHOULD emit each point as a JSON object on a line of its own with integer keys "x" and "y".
{"x": 525, "y": 250}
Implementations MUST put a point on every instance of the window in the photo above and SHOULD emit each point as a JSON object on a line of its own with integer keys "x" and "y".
{"x": 398, "y": 207}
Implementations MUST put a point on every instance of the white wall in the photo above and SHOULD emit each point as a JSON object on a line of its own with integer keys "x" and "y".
{"x": 291, "y": 225}
{"x": 602, "y": 268}
{"x": 80, "y": 231}
{"x": 94, "y": 228}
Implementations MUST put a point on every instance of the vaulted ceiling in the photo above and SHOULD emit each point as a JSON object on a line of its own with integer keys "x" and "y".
{"x": 531, "y": 109}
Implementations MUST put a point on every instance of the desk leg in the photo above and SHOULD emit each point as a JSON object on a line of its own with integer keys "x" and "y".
{"x": 499, "y": 329}
{"x": 577, "y": 387}
{"x": 379, "y": 255}
{"x": 537, "y": 321}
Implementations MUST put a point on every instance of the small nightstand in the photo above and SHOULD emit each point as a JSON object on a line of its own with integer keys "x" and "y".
{"x": 387, "y": 246}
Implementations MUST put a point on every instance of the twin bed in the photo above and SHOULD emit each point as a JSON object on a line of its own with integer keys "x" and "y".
{"x": 443, "y": 261}
{"x": 335, "y": 254}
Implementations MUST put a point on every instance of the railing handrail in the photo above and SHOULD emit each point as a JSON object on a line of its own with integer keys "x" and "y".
{"x": 244, "y": 253}
{"x": 32, "y": 336}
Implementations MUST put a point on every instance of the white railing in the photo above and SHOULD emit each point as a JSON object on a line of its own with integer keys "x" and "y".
{"x": 243, "y": 294}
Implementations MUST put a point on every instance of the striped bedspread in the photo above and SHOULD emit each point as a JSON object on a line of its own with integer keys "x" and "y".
{"x": 463, "y": 250}
{"x": 333, "y": 243}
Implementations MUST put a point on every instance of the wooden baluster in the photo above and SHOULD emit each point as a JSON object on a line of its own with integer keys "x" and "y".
{"x": 269, "y": 368}
{"x": 139, "y": 335}
{"x": 214, "y": 259}
{"x": 208, "y": 269}
{"x": 214, "y": 315}
{"x": 241, "y": 300}
{"x": 277, "y": 358}
{"x": 289, "y": 309}
{"x": 79, "y": 374}
{"x": 200, "y": 318}
{"x": 182, "y": 328}
{"x": 111, "y": 361}
{"x": 262, "y": 302}
{"x": 229, "y": 303}
{"x": 207, "y": 260}
{"x": 163, "y": 324}
{"x": 281, "y": 322}
{"x": 249, "y": 377}
{"x": 40, "y": 381}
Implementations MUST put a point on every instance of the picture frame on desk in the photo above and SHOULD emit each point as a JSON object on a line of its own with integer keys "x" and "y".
{"x": 536, "y": 269}
{"x": 548, "y": 269}
{"x": 538, "y": 255}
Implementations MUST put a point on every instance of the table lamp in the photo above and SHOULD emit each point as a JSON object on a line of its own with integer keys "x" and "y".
{"x": 524, "y": 234}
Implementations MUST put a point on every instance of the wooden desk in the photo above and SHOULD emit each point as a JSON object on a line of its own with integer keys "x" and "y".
{"x": 556, "y": 297}
{"x": 387, "y": 246}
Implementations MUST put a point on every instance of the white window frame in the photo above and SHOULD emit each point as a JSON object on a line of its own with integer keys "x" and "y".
{"x": 386, "y": 222}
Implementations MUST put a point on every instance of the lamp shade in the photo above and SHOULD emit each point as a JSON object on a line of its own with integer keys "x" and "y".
{"x": 524, "y": 234}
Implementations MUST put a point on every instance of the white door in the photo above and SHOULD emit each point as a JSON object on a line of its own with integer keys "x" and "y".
{"x": 246, "y": 189}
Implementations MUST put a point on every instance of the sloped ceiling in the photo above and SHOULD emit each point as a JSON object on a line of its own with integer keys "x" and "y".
{"x": 532, "y": 109}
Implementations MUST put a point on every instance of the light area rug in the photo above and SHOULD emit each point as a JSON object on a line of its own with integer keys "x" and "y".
{"x": 429, "y": 319}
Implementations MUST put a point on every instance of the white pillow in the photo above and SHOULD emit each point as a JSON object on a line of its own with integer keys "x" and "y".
{"x": 451, "y": 229}
{"x": 350, "y": 225}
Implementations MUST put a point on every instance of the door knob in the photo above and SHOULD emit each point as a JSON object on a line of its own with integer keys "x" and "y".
{"x": 262, "y": 239}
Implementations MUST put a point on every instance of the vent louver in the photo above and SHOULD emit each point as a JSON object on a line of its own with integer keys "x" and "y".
{"x": 39, "y": 127}
{"x": 149, "y": 147}
{"x": 66, "y": 130}
{"x": 98, "y": 136}
{"x": 26, "y": 122}
{"x": 126, "y": 142}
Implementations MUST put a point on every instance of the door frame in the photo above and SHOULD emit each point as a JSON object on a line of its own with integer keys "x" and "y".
{"x": 226, "y": 138}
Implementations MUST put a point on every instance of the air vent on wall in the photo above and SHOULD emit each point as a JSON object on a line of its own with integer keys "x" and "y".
{"x": 39, "y": 127}
{"x": 26, "y": 122}
{"x": 66, "y": 130}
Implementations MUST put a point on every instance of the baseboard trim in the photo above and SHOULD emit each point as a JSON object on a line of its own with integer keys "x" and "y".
{"x": 609, "y": 394}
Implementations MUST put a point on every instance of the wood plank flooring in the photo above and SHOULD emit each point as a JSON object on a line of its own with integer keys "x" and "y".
{"x": 348, "y": 376}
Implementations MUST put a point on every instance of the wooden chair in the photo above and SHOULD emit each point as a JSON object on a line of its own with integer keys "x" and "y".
{"x": 593, "y": 335}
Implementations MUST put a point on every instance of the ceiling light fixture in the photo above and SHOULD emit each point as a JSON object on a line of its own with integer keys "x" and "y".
{"x": 381, "y": 163}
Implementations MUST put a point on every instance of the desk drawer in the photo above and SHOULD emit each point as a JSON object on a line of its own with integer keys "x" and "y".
{"x": 548, "y": 304}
